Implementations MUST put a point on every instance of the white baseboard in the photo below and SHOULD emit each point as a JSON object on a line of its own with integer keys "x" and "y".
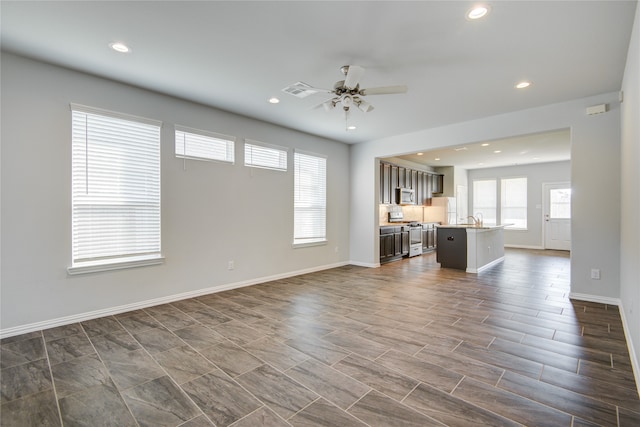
{"x": 635, "y": 363}
{"x": 81, "y": 317}
{"x": 595, "y": 298}
{"x": 524, "y": 247}
{"x": 365, "y": 264}
{"x": 486, "y": 266}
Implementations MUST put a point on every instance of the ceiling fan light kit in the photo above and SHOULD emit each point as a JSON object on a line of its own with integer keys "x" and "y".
{"x": 346, "y": 92}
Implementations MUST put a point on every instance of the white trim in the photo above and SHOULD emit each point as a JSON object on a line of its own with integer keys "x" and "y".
{"x": 365, "y": 264}
{"x": 114, "y": 264}
{"x": 322, "y": 242}
{"x": 81, "y": 317}
{"x": 116, "y": 114}
{"x": 523, "y": 246}
{"x": 595, "y": 298}
{"x": 484, "y": 267}
{"x": 203, "y": 132}
{"x": 635, "y": 363}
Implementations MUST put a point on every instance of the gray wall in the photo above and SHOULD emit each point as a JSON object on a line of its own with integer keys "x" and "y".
{"x": 630, "y": 197}
{"x": 536, "y": 175}
{"x": 211, "y": 213}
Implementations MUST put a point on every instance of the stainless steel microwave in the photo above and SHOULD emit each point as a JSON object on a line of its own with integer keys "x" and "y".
{"x": 406, "y": 196}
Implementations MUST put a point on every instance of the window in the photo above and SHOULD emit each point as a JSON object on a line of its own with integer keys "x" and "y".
{"x": 560, "y": 203}
{"x": 513, "y": 202}
{"x": 485, "y": 200}
{"x": 115, "y": 190}
{"x": 310, "y": 198}
{"x": 261, "y": 155}
{"x": 202, "y": 145}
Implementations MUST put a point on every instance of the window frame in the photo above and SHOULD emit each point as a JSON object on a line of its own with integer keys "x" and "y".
{"x": 283, "y": 151}
{"x": 495, "y": 207}
{"x": 300, "y": 241}
{"x": 503, "y": 207}
{"x": 104, "y": 261}
{"x": 214, "y": 136}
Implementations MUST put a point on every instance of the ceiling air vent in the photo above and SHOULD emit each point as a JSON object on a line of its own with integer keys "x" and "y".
{"x": 300, "y": 90}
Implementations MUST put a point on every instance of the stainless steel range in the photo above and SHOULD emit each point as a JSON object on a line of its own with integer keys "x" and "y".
{"x": 415, "y": 232}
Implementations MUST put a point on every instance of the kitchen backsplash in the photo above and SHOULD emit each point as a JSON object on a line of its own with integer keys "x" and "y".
{"x": 413, "y": 213}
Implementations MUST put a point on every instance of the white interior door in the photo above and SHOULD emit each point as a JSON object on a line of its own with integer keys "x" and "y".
{"x": 557, "y": 216}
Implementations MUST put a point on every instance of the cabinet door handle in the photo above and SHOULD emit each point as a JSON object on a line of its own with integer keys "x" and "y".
{"x": 450, "y": 238}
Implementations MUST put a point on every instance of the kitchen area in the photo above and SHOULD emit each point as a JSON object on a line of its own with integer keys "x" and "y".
{"x": 417, "y": 216}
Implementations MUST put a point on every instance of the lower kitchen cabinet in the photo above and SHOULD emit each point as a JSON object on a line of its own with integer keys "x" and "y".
{"x": 429, "y": 240}
{"x": 394, "y": 243}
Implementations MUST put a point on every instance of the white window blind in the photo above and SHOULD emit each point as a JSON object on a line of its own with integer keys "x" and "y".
{"x": 310, "y": 198}
{"x": 513, "y": 202}
{"x": 261, "y": 155}
{"x": 202, "y": 145}
{"x": 485, "y": 200}
{"x": 115, "y": 188}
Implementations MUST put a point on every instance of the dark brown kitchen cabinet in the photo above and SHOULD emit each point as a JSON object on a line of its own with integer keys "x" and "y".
{"x": 387, "y": 244}
{"x": 429, "y": 231}
{"x": 394, "y": 243}
{"x": 402, "y": 176}
{"x": 414, "y": 180}
{"x": 424, "y": 183}
{"x": 385, "y": 184}
{"x": 437, "y": 183}
{"x": 394, "y": 184}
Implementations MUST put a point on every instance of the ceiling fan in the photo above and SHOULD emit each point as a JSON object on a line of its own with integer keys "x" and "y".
{"x": 346, "y": 92}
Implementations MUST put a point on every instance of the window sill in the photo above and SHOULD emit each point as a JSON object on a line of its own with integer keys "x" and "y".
{"x": 309, "y": 244}
{"x": 114, "y": 264}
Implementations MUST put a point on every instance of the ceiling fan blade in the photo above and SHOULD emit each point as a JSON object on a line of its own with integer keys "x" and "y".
{"x": 353, "y": 76}
{"x": 385, "y": 90}
{"x": 328, "y": 105}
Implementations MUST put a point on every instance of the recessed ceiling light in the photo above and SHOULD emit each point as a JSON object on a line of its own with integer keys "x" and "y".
{"x": 523, "y": 85}
{"x": 120, "y": 47}
{"x": 352, "y": 127}
{"x": 477, "y": 12}
{"x": 437, "y": 159}
{"x": 419, "y": 154}
{"x": 486, "y": 144}
{"x": 460, "y": 149}
{"x": 497, "y": 151}
{"x": 274, "y": 100}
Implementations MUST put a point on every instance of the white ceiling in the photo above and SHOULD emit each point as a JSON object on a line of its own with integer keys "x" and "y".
{"x": 554, "y": 146}
{"x": 235, "y": 55}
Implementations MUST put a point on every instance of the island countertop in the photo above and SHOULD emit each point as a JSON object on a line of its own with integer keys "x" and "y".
{"x": 473, "y": 226}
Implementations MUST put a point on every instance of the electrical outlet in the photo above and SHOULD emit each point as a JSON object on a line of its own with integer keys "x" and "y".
{"x": 595, "y": 273}
{"x": 230, "y": 265}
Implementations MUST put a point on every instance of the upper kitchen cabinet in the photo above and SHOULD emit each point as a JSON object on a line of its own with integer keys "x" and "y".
{"x": 423, "y": 183}
{"x": 437, "y": 183}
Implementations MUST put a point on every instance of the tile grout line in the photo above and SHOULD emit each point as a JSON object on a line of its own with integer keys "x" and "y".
{"x": 53, "y": 383}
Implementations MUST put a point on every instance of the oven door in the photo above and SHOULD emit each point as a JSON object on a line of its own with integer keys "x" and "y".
{"x": 415, "y": 236}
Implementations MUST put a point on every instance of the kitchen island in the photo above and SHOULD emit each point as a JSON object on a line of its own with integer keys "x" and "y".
{"x": 472, "y": 248}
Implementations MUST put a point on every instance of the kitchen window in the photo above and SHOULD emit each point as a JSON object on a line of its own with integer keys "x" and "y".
{"x": 267, "y": 156}
{"x": 513, "y": 203}
{"x": 203, "y": 145}
{"x": 310, "y": 199}
{"x": 115, "y": 190}
{"x": 485, "y": 200}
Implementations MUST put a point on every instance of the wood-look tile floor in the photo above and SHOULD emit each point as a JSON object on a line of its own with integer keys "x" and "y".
{"x": 407, "y": 344}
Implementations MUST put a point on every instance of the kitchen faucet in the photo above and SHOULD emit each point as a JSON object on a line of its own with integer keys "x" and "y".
{"x": 480, "y": 219}
{"x": 477, "y": 220}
